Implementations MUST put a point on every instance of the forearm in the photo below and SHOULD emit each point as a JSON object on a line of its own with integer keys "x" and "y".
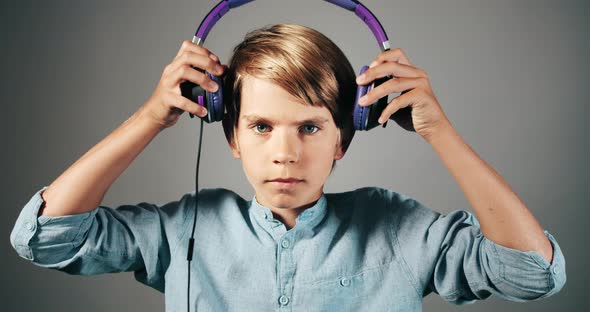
{"x": 82, "y": 186}
{"x": 503, "y": 217}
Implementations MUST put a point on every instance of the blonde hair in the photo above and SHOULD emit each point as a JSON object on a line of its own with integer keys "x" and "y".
{"x": 300, "y": 60}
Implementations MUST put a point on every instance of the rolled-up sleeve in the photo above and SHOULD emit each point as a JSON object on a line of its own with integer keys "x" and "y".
{"x": 44, "y": 240}
{"x": 449, "y": 255}
{"x": 103, "y": 240}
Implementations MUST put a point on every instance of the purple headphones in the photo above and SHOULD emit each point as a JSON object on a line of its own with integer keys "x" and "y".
{"x": 364, "y": 117}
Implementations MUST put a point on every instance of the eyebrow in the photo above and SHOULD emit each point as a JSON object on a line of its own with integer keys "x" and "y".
{"x": 257, "y": 118}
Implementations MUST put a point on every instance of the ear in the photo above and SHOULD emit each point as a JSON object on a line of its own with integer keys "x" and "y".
{"x": 235, "y": 148}
{"x": 339, "y": 153}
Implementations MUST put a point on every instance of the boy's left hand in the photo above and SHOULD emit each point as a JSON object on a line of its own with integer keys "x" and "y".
{"x": 427, "y": 115}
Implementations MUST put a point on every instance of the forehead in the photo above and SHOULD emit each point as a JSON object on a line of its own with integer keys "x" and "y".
{"x": 261, "y": 98}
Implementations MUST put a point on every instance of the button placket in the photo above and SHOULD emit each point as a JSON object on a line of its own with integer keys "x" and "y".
{"x": 285, "y": 243}
{"x": 284, "y": 300}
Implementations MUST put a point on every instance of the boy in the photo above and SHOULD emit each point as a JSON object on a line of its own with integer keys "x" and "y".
{"x": 290, "y": 92}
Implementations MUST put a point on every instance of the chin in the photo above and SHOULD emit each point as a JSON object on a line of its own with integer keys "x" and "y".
{"x": 283, "y": 199}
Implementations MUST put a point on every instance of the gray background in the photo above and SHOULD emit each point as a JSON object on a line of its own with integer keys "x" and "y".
{"x": 508, "y": 74}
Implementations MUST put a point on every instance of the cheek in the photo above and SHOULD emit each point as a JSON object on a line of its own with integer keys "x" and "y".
{"x": 252, "y": 161}
{"x": 317, "y": 153}
{"x": 326, "y": 145}
{"x": 320, "y": 156}
{"x": 252, "y": 172}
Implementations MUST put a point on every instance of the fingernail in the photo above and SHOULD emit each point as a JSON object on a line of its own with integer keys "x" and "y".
{"x": 218, "y": 68}
{"x": 213, "y": 86}
{"x": 214, "y": 57}
{"x": 361, "y": 78}
{"x": 363, "y": 100}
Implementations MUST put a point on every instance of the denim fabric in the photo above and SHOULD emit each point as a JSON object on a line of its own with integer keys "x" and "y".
{"x": 370, "y": 249}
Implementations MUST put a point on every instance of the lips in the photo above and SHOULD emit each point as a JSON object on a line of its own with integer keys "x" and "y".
{"x": 287, "y": 180}
{"x": 285, "y": 183}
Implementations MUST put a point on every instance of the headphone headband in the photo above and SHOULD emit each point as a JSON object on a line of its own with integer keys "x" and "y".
{"x": 364, "y": 118}
{"x": 352, "y": 5}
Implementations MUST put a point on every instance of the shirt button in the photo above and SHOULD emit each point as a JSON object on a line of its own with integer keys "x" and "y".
{"x": 345, "y": 282}
{"x": 285, "y": 243}
{"x": 556, "y": 269}
{"x": 29, "y": 226}
{"x": 284, "y": 300}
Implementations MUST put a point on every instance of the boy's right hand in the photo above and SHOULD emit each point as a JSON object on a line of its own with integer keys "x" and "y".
{"x": 166, "y": 103}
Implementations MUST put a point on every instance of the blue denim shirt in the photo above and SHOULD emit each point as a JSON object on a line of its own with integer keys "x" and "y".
{"x": 370, "y": 249}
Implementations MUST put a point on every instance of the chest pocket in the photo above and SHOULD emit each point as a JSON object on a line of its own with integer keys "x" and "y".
{"x": 371, "y": 289}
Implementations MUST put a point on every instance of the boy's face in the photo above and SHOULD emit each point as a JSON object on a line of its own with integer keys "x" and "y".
{"x": 281, "y": 145}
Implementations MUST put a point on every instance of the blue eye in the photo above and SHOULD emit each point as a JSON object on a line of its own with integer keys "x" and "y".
{"x": 261, "y": 128}
{"x": 311, "y": 128}
{"x": 257, "y": 127}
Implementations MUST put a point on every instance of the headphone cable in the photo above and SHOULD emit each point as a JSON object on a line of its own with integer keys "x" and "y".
{"x": 191, "y": 241}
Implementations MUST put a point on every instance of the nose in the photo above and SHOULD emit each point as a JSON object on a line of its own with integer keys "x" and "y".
{"x": 286, "y": 147}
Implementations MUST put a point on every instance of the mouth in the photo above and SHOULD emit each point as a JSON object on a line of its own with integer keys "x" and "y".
{"x": 286, "y": 180}
{"x": 285, "y": 183}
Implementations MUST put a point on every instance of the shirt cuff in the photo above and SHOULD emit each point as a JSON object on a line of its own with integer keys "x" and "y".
{"x": 539, "y": 274}
{"x": 30, "y": 229}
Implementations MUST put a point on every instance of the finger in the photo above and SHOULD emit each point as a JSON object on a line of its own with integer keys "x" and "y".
{"x": 188, "y": 45}
{"x": 199, "y": 61}
{"x": 391, "y": 86}
{"x": 185, "y": 104}
{"x": 390, "y": 69}
{"x": 396, "y": 104}
{"x": 188, "y": 73}
{"x": 395, "y": 55}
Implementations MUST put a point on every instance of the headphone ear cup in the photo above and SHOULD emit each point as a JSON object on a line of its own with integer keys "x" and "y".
{"x": 215, "y": 100}
{"x": 361, "y": 113}
{"x": 367, "y": 117}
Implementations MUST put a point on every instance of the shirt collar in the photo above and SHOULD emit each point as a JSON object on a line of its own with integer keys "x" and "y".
{"x": 309, "y": 218}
